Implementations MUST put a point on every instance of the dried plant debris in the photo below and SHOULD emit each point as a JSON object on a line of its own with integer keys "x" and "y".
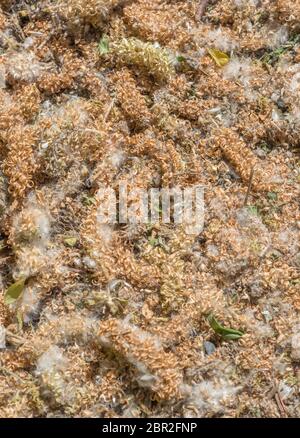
{"x": 144, "y": 320}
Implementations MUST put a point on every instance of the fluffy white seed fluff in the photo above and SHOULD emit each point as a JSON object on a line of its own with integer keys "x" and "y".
{"x": 219, "y": 40}
{"x": 117, "y": 158}
{"x": 2, "y": 76}
{"x": 294, "y": 116}
{"x": 89, "y": 263}
{"x": 29, "y": 302}
{"x": 52, "y": 360}
{"x": 105, "y": 232}
{"x": 238, "y": 70}
{"x": 295, "y": 344}
{"x": 241, "y": 4}
{"x": 258, "y": 328}
{"x": 23, "y": 67}
{"x": 30, "y": 261}
{"x": 2, "y": 337}
{"x": 278, "y": 37}
{"x": 210, "y": 396}
{"x": 41, "y": 220}
{"x": 295, "y": 83}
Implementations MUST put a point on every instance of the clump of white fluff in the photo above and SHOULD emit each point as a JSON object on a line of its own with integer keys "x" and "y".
{"x": 39, "y": 221}
{"x": 295, "y": 344}
{"x": 30, "y": 235}
{"x": 75, "y": 328}
{"x": 117, "y": 158}
{"x": 54, "y": 387}
{"x": 258, "y": 328}
{"x": 278, "y": 37}
{"x": 2, "y": 337}
{"x": 238, "y": 70}
{"x": 219, "y": 40}
{"x": 30, "y": 261}
{"x": 105, "y": 232}
{"x": 75, "y": 107}
{"x": 294, "y": 117}
{"x": 106, "y": 214}
{"x": 89, "y": 262}
{"x": 52, "y": 360}
{"x": 215, "y": 39}
{"x": 29, "y": 302}
{"x": 241, "y": 4}
{"x": 210, "y": 397}
{"x": 2, "y": 76}
{"x": 287, "y": 241}
{"x": 22, "y": 67}
{"x": 248, "y": 220}
{"x": 295, "y": 82}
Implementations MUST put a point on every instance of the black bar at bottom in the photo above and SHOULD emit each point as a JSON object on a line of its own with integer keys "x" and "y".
{"x": 136, "y": 426}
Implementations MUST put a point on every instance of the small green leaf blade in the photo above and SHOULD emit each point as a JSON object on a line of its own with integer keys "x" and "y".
{"x": 228, "y": 334}
{"x": 14, "y": 291}
{"x": 103, "y": 45}
{"x": 180, "y": 58}
{"x": 214, "y": 323}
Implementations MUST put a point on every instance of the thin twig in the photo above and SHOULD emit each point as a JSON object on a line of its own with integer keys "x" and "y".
{"x": 110, "y": 107}
{"x": 201, "y": 9}
{"x": 249, "y": 186}
{"x": 278, "y": 399}
{"x": 280, "y": 404}
{"x": 202, "y": 71}
{"x": 14, "y": 339}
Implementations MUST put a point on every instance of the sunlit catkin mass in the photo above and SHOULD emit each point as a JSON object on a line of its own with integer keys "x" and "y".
{"x": 146, "y": 319}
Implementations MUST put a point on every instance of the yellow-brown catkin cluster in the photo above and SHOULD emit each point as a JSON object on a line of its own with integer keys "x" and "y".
{"x": 288, "y": 13}
{"x": 149, "y": 58}
{"x": 86, "y": 12}
{"x": 155, "y": 368}
{"x": 164, "y": 153}
{"x": 19, "y": 166}
{"x": 2, "y": 20}
{"x": 132, "y": 102}
{"x": 29, "y": 99}
{"x": 144, "y": 22}
{"x": 242, "y": 159}
{"x": 2, "y": 193}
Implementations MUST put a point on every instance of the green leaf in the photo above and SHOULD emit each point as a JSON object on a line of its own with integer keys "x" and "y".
{"x": 103, "y": 45}
{"x": 181, "y": 58}
{"x": 219, "y": 57}
{"x": 253, "y": 210}
{"x": 272, "y": 196}
{"x": 14, "y": 291}
{"x": 88, "y": 200}
{"x": 228, "y": 334}
{"x": 153, "y": 241}
{"x": 70, "y": 241}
